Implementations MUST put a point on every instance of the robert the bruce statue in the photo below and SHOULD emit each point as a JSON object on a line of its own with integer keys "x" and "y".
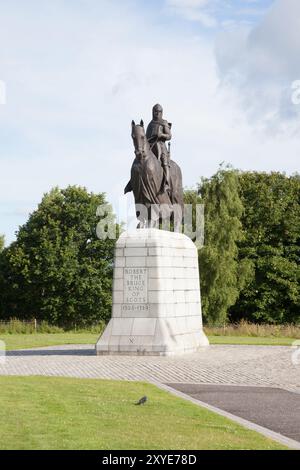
{"x": 155, "y": 179}
{"x": 158, "y": 133}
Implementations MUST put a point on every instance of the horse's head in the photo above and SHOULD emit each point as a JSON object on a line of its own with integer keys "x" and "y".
{"x": 139, "y": 140}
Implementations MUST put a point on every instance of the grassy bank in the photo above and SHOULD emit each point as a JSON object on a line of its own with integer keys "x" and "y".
{"x": 64, "y": 413}
{"x": 251, "y": 340}
{"x": 22, "y": 341}
{"x": 19, "y": 335}
{"x": 36, "y": 340}
{"x": 27, "y": 327}
{"x": 254, "y": 330}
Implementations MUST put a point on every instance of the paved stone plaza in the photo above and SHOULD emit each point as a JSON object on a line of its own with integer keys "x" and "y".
{"x": 267, "y": 366}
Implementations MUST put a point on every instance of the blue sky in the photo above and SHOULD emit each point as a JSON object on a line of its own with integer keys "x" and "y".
{"x": 77, "y": 72}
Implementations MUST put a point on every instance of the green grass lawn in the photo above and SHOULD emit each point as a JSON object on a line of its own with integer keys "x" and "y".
{"x": 35, "y": 340}
{"x": 22, "y": 341}
{"x": 64, "y": 413}
{"x": 255, "y": 340}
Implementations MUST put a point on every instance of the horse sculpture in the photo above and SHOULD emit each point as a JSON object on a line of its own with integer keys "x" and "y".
{"x": 153, "y": 204}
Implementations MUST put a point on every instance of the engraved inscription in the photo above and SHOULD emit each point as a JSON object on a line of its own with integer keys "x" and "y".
{"x": 135, "y": 308}
{"x": 135, "y": 285}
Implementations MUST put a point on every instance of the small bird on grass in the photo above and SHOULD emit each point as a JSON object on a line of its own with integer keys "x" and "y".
{"x": 141, "y": 401}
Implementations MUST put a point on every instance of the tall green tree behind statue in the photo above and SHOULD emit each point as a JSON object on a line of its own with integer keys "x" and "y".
{"x": 222, "y": 274}
{"x": 57, "y": 269}
{"x": 271, "y": 221}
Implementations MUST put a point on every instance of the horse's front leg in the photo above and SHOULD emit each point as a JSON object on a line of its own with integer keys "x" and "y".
{"x": 153, "y": 223}
{"x": 142, "y": 224}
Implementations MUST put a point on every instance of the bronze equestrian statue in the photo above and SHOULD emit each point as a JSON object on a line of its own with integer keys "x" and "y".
{"x": 156, "y": 180}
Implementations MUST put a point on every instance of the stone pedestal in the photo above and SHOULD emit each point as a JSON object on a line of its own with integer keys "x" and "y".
{"x": 156, "y": 296}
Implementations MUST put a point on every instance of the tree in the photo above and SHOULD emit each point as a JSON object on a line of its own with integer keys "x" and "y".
{"x": 222, "y": 274}
{"x": 1, "y": 276}
{"x": 193, "y": 223}
{"x": 57, "y": 269}
{"x": 271, "y": 223}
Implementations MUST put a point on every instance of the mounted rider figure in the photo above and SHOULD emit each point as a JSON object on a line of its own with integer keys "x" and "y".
{"x": 158, "y": 133}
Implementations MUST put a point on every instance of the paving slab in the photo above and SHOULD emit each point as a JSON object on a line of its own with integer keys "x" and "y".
{"x": 268, "y": 366}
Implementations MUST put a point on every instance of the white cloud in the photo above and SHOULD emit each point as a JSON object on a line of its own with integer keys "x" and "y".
{"x": 218, "y": 14}
{"x": 2, "y": 92}
{"x": 262, "y": 63}
{"x": 194, "y": 10}
{"x": 187, "y": 3}
{"x": 75, "y": 82}
{"x": 77, "y": 76}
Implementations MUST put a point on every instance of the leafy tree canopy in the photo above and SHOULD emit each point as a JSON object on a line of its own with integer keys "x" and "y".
{"x": 57, "y": 269}
{"x": 271, "y": 223}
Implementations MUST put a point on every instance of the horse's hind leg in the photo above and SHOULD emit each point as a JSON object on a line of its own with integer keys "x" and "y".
{"x": 153, "y": 216}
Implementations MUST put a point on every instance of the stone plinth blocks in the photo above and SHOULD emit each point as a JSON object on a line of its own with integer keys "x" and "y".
{"x": 156, "y": 296}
